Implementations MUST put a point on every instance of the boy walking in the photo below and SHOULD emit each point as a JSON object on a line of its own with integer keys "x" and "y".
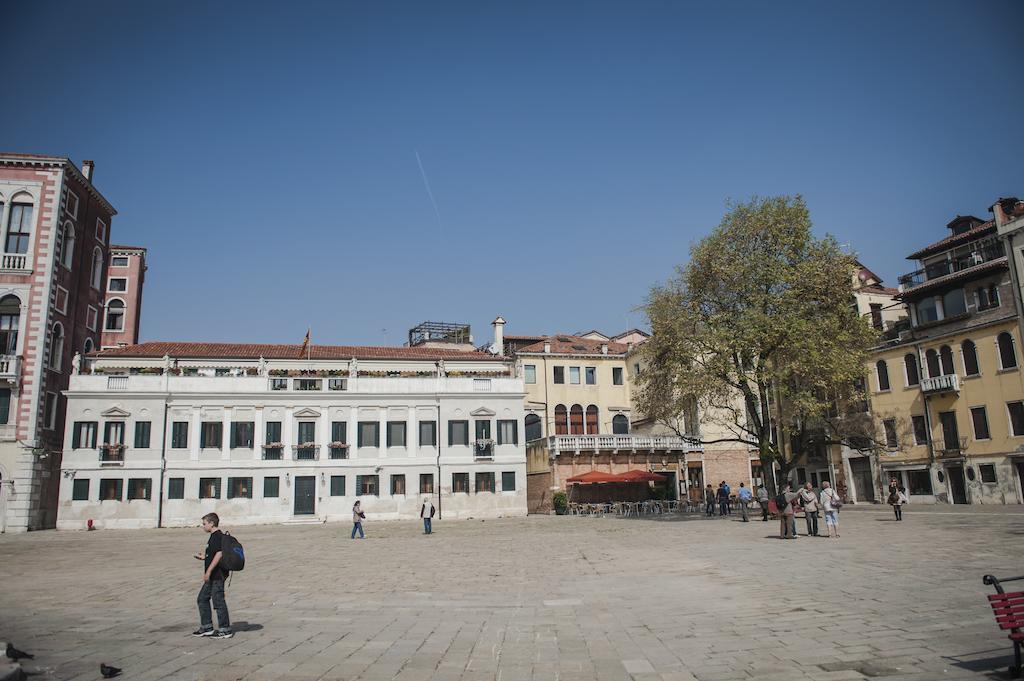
{"x": 213, "y": 583}
{"x": 427, "y": 512}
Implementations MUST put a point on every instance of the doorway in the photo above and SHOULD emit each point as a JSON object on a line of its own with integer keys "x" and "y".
{"x": 957, "y": 484}
{"x": 305, "y": 487}
{"x": 863, "y": 484}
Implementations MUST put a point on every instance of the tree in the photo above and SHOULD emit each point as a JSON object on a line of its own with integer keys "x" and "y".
{"x": 759, "y": 331}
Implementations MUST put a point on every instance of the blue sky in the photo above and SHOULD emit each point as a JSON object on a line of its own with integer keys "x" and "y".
{"x": 266, "y": 154}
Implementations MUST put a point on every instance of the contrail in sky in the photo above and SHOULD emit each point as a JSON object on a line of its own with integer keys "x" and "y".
{"x": 426, "y": 183}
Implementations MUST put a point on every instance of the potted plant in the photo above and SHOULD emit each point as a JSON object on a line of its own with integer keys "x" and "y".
{"x": 560, "y": 500}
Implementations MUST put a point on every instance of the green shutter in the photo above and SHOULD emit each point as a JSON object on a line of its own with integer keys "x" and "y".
{"x": 359, "y": 485}
{"x": 76, "y": 436}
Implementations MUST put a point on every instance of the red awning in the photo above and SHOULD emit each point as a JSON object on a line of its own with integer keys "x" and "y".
{"x": 640, "y": 476}
{"x": 594, "y": 477}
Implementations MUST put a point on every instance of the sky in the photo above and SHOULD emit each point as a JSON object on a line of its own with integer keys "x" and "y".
{"x": 359, "y": 168}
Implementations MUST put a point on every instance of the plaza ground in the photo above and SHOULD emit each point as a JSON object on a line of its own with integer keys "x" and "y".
{"x": 671, "y": 598}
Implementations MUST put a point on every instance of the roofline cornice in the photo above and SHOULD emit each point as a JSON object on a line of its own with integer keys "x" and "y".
{"x": 58, "y": 162}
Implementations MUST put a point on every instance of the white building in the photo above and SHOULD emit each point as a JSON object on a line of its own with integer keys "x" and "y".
{"x": 159, "y": 434}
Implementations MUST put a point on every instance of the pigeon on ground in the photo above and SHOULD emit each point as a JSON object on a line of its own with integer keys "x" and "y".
{"x": 108, "y": 672}
{"x": 15, "y": 654}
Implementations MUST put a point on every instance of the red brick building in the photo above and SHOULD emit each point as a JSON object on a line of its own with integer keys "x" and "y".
{"x": 122, "y": 309}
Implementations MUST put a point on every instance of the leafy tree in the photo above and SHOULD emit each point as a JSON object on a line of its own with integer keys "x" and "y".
{"x": 759, "y": 333}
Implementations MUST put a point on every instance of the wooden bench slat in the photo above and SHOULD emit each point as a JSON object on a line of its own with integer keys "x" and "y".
{"x": 1006, "y": 596}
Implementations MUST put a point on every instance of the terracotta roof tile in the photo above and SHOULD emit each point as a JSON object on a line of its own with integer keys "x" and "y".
{"x": 953, "y": 239}
{"x": 270, "y": 351}
{"x": 939, "y": 282}
{"x": 574, "y": 345}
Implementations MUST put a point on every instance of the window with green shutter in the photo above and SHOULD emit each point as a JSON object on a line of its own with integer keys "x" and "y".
{"x": 142, "y": 430}
{"x": 460, "y": 483}
{"x": 239, "y": 488}
{"x": 458, "y": 433}
{"x": 5, "y": 405}
{"x": 337, "y": 485}
{"x": 339, "y": 431}
{"x": 508, "y": 432}
{"x": 242, "y": 433}
{"x": 83, "y": 434}
{"x": 396, "y": 433}
{"x": 80, "y": 490}
{"x": 428, "y": 433}
{"x": 140, "y": 488}
{"x": 369, "y": 434}
{"x": 484, "y": 482}
{"x": 508, "y": 481}
{"x": 209, "y": 488}
{"x": 176, "y": 488}
{"x": 179, "y": 435}
{"x": 273, "y": 432}
{"x": 211, "y": 435}
{"x": 271, "y": 487}
{"x": 111, "y": 489}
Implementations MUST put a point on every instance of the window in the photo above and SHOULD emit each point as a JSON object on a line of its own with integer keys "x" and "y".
{"x": 988, "y": 297}
{"x": 508, "y": 481}
{"x": 113, "y": 433}
{"x": 484, "y": 482}
{"x": 927, "y": 311}
{"x": 559, "y": 374}
{"x": 339, "y": 432}
{"x": 337, "y": 384}
{"x": 931, "y": 358}
{"x": 242, "y": 434}
{"x": 140, "y": 488}
{"x": 80, "y": 490}
{"x": 71, "y": 205}
{"x": 592, "y": 422}
{"x": 561, "y": 420}
{"x": 590, "y": 375}
{"x": 179, "y": 435}
{"x": 50, "y": 411}
{"x": 616, "y": 375}
{"x": 530, "y": 373}
{"x": 891, "y": 441}
{"x": 988, "y": 472}
{"x": 980, "y": 420}
{"x": 397, "y": 485}
{"x": 950, "y": 433}
{"x": 209, "y": 488}
{"x": 19, "y": 228}
{"x": 1007, "y": 356}
{"x": 56, "y": 346}
{"x": 882, "y": 369}
{"x": 60, "y": 300}
{"x": 211, "y": 435}
{"x": 636, "y": 369}
{"x": 576, "y": 420}
{"x": 428, "y": 433}
{"x": 117, "y": 284}
{"x": 83, "y": 435}
{"x": 508, "y": 432}
{"x": 534, "y": 429}
{"x": 115, "y": 316}
{"x": 176, "y": 488}
{"x": 101, "y": 231}
{"x": 97, "y": 268}
{"x": 119, "y": 261}
{"x": 5, "y": 405}
{"x": 919, "y": 483}
{"x": 910, "y": 367}
{"x": 337, "y": 485}
{"x": 271, "y": 487}
{"x": 307, "y": 432}
{"x": 396, "y": 433}
{"x": 67, "y": 246}
{"x": 920, "y": 430}
{"x": 91, "y": 317}
{"x": 369, "y": 434}
{"x": 142, "y": 429}
{"x": 1016, "y": 410}
{"x": 620, "y": 425}
{"x": 970, "y": 355}
{"x": 367, "y": 485}
{"x": 88, "y": 346}
{"x": 574, "y": 375}
{"x": 458, "y": 433}
{"x": 279, "y": 384}
{"x": 483, "y": 429}
{"x": 273, "y": 432}
{"x": 10, "y": 315}
{"x": 426, "y": 483}
{"x": 460, "y": 483}
{"x": 308, "y": 384}
{"x": 946, "y": 359}
{"x": 111, "y": 489}
{"x": 954, "y": 303}
{"x": 876, "y": 315}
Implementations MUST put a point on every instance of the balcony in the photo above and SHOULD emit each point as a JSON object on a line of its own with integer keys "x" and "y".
{"x": 273, "y": 451}
{"x": 112, "y": 455}
{"x": 338, "y": 450}
{"x": 940, "y": 269}
{"x": 10, "y": 368}
{"x": 483, "y": 449}
{"x": 614, "y": 443}
{"x": 306, "y": 452}
{"x": 940, "y": 384}
{"x": 13, "y": 262}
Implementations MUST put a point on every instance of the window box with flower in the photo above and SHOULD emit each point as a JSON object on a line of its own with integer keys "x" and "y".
{"x": 273, "y": 450}
{"x": 307, "y": 451}
{"x": 339, "y": 450}
{"x": 112, "y": 454}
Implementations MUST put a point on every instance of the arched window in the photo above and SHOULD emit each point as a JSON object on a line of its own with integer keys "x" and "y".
{"x": 946, "y": 359}
{"x": 1007, "y": 355}
{"x": 57, "y": 347}
{"x": 988, "y": 297}
{"x": 620, "y": 425}
{"x": 67, "y": 246}
{"x": 561, "y": 420}
{"x": 883, "y": 375}
{"x": 88, "y": 347}
{"x": 97, "y": 268}
{"x": 10, "y": 317}
{"x": 931, "y": 358}
{"x": 910, "y": 365}
{"x": 19, "y": 226}
{"x": 970, "y": 353}
{"x": 592, "y": 426}
{"x": 534, "y": 427}
{"x": 115, "y": 316}
{"x": 576, "y": 420}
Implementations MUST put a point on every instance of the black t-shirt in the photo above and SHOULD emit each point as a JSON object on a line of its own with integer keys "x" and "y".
{"x": 215, "y": 544}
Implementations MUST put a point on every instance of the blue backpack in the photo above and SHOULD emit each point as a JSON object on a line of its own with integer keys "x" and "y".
{"x": 232, "y": 556}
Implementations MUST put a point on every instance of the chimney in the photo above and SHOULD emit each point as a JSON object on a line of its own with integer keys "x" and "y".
{"x": 1003, "y": 210}
{"x": 604, "y": 348}
{"x": 499, "y": 335}
{"x": 547, "y": 347}
{"x": 87, "y": 169}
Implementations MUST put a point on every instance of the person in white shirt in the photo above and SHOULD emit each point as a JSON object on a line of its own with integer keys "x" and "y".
{"x": 829, "y": 500}
{"x": 809, "y": 500}
{"x": 427, "y": 513}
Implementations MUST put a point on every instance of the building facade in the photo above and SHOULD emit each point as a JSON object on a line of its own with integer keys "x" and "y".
{"x": 122, "y": 306}
{"x": 56, "y": 231}
{"x": 159, "y": 434}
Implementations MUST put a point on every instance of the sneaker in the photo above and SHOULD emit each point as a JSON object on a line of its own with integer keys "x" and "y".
{"x": 203, "y": 632}
{"x": 223, "y": 634}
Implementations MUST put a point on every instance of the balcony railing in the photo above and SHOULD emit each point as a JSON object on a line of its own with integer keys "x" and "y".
{"x": 337, "y": 450}
{"x": 117, "y": 382}
{"x": 112, "y": 455}
{"x": 10, "y": 366}
{"x": 273, "y": 452}
{"x": 306, "y": 452}
{"x": 941, "y": 269}
{"x": 940, "y": 384}
{"x": 14, "y": 261}
{"x": 617, "y": 442}
{"x": 483, "y": 449}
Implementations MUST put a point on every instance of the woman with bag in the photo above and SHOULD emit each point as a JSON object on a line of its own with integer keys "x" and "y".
{"x": 830, "y": 504}
{"x": 357, "y": 520}
{"x": 897, "y": 497}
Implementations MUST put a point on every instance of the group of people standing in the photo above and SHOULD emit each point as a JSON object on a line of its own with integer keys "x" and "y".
{"x": 827, "y": 502}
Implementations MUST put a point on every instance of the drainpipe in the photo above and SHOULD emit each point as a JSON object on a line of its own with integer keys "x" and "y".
{"x": 163, "y": 465}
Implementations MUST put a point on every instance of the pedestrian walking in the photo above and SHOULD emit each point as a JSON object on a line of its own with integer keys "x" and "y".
{"x": 723, "y": 499}
{"x": 728, "y": 494}
{"x": 744, "y": 497}
{"x": 830, "y": 503}
{"x": 709, "y": 500}
{"x": 897, "y": 497}
{"x": 784, "y": 501}
{"x": 357, "y": 520}
{"x": 427, "y": 513}
{"x": 762, "y": 498}
{"x": 809, "y": 500}
{"x": 213, "y": 583}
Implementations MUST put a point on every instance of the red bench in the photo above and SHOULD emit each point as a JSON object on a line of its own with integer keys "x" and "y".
{"x": 1009, "y": 611}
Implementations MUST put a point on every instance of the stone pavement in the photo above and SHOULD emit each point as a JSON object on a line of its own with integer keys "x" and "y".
{"x": 672, "y": 598}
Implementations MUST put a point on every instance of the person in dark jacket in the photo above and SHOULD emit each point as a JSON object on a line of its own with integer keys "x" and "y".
{"x": 709, "y": 500}
{"x": 427, "y": 513}
{"x": 213, "y": 583}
